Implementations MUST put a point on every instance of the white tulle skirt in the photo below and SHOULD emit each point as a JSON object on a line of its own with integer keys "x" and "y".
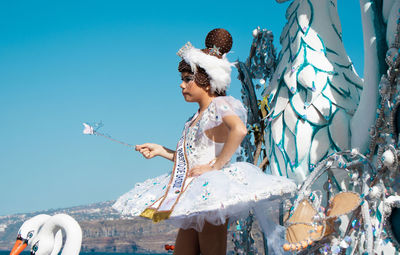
{"x": 215, "y": 196}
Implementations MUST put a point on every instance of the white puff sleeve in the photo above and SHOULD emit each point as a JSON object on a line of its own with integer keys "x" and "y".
{"x": 227, "y": 105}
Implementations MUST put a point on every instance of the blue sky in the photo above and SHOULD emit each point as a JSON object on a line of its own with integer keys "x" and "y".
{"x": 67, "y": 62}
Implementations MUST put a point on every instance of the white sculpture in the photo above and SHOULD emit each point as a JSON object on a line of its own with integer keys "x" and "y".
{"x": 319, "y": 105}
{"x": 29, "y": 230}
{"x": 44, "y": 242}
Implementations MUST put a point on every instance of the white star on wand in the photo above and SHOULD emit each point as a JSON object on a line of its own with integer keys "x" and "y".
{"x": 89, "y": 130}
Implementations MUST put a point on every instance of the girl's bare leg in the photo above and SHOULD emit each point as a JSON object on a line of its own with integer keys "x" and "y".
{"x": 212, "y": 239}
{"x": 187, "y": 242}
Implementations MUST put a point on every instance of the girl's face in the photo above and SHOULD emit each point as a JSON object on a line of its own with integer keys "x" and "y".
{"x": 190, "y": 90}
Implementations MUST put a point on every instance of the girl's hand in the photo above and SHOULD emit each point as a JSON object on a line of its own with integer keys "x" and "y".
{"x": 150, "y": 150}
{"x": 201, "y": 169}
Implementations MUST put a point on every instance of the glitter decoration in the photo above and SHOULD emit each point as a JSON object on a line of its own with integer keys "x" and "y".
{"x": 242, "y": 239}
{"x": 215, "y": 51}
{"x": 259, "y": 65}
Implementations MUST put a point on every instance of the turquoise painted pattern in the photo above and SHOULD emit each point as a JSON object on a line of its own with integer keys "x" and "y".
{"x": 313, "y": 93}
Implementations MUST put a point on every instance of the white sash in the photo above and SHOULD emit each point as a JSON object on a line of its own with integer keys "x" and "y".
{"x": 163, "y": 207}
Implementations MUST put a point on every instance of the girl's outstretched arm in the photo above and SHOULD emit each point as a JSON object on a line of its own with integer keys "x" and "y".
{"x": 150, "y": 150}
{"x": 236, "y": 132}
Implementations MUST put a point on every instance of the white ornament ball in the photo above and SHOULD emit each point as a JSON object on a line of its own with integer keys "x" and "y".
{"x": 354, "y": 151}
{"x": 375, "y": 192}
{"x": 255, "y": 32}
{"x": 388, "y": 158}
{"x": 387, "y": 209}
{"x": 262, "y": 81}
{"x": 354, "y": 176}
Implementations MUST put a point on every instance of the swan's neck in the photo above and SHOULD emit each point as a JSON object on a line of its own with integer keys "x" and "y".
{"x": 375, "y": 46}
{"x": 72, "y": 230}
{"x": 374, "y": 66}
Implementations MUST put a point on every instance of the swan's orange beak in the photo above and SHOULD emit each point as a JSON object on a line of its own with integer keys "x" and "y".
{"x": 19, "y": 246}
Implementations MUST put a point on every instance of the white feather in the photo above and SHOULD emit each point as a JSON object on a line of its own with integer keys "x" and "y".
{"x": 219, "y": 70}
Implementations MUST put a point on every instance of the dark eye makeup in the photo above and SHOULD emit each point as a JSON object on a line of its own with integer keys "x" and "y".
{"x": 188, "y": 78}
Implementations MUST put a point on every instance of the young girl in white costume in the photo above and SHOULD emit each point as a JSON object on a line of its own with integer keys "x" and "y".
{"x": 204, "y": 189}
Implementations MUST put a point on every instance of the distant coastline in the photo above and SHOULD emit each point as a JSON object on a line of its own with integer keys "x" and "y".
{"x": 105, "y": 231}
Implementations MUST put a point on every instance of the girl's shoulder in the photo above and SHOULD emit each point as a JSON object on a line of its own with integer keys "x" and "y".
{"x": 227, "y": 99}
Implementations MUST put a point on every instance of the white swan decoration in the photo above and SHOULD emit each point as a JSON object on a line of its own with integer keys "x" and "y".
{"x": 379, "y": 30}
{"x": 314, "y": 92}
{"x": 29, "y": 230}
{"x": 319, "y": 105}
{"x": 43, "y": 243}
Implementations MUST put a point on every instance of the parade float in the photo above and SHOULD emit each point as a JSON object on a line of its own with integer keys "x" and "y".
{"x": 313, "y": 119}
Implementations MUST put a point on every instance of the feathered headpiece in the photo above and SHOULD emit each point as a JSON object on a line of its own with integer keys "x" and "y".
{"x": 212, "y": 59}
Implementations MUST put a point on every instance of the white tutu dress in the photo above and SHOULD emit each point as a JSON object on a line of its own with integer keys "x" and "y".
{"x": 215, "y": 196}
